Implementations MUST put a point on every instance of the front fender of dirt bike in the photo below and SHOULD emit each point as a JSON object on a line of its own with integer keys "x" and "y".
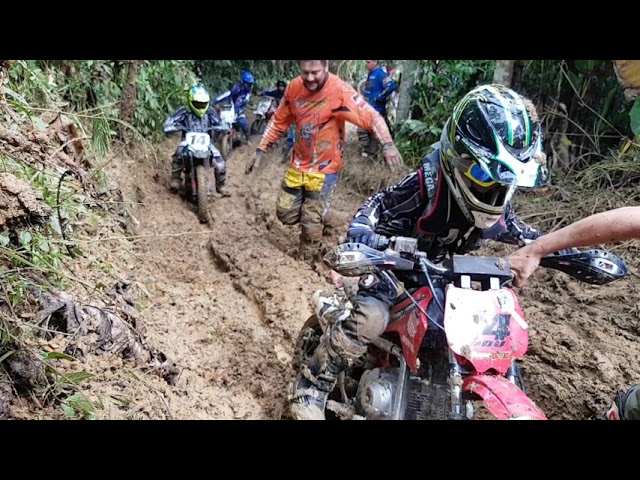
{"x": 502, "y": 398}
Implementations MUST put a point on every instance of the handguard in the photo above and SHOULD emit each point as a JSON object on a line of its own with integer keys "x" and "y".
{"x": 597, "y": 267}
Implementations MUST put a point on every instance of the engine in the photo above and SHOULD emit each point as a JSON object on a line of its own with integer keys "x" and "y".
{"x": 377, "y": 392}
{"x": 422, "y": 400}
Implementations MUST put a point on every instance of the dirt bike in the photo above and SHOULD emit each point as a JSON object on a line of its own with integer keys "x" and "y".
{"x": 263, "y": 112}
{"x": 228, "y": 135}
{"x": 197, "y": 165}
{"x": 453, "y": 341}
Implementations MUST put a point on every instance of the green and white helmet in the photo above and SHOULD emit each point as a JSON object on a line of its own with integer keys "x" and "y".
{"x": 491, "y": 144}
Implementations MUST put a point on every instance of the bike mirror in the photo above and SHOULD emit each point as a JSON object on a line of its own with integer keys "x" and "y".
{"x": 596, "y": 267}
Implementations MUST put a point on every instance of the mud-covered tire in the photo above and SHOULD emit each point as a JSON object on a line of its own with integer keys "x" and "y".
{"x": 202, "y": 185}
{"x": 257, "y": 126}
{"x": 225, "y": 146}
{"x": 307, "y": 342}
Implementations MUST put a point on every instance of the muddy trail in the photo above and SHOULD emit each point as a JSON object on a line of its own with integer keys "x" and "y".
{"x": 224, "y": 302}
{"x": 228, "y": 305}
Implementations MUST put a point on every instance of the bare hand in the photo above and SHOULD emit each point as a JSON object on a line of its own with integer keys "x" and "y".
{"x": 392, "y": 156}
{"x": 523, "y": 263}
{"x": 337, "y": 279}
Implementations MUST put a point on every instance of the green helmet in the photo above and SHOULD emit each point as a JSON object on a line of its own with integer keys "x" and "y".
{"x": 199, "y": 100}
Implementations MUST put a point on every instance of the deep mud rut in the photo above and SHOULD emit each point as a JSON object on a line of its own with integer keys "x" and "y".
{"x": 225, "y": 302}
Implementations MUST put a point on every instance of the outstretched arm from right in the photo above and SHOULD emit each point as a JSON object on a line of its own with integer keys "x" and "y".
{"x": 605, "y": 227}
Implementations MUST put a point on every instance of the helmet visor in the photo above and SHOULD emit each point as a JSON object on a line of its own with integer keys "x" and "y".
{"x": 200, "y": 105}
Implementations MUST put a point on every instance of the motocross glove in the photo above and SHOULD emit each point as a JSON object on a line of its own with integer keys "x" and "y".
{"x": 254, "y": 162}
{"x": 360, "y": 227}
{"x": 376, "y": 241}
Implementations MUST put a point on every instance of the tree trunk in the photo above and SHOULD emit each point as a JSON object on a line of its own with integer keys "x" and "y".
{"x": 128, "y": 100}
{"x": 405, "y": 90}
{"x": 503, "y": 72}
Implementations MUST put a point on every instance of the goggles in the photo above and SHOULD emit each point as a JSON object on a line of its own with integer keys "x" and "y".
{"x": 479, "y": 176}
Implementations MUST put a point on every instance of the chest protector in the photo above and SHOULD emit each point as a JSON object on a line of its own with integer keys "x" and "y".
{"x": 442, "y": 227}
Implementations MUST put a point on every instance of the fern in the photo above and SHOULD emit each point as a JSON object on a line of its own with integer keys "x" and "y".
{"x": 101, "y": 135}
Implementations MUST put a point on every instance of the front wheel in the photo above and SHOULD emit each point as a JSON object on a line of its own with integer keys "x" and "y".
{"x": 257, "y": 126}
{"x": 307, "y": 342}
{"x": 225, "y": 145}
{"x": 202, "y": 186}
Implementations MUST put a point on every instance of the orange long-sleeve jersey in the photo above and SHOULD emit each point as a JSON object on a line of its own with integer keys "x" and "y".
{"x": 320, "y": 118}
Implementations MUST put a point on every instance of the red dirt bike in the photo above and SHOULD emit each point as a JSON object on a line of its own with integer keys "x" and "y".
{"x": 453, "y": 341}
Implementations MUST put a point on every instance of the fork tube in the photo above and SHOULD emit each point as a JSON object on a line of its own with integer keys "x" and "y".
{"x": 512, "y": 372}
{"x": 455, "y": 387}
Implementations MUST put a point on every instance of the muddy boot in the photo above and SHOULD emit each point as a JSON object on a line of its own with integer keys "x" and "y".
{"x": 332, "y": 224}
{"x": 174, "y": 184}
{"x": 245, "y": 138}
{"x": 317, "y": 379}
{"x": 311, "y": 389}
{"x": 175, "y": 178}
{"x": 308, "y": 251}
{"x": 222, "y": 190}
{"x": 221, "y": 180}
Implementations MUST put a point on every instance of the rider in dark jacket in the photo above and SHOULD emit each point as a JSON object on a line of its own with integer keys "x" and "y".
{"x": 278, "y": 93}
{"x": 199, "y": 117}
{"x": 459, "y": 196}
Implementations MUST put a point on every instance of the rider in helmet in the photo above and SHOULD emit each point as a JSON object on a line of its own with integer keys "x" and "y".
{"x": 240, "y": 94}
{"x": 197, "y": 117}
{"x": 278, "y": 93}
{"x": 458, "y": 197}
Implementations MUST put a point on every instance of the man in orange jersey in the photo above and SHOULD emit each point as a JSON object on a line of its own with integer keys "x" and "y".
{"x": 319, "y": 103}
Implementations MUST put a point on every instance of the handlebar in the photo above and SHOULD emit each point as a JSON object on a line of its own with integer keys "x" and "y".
{"x": 595, "y": 266}
{"x": 401, "y": 253}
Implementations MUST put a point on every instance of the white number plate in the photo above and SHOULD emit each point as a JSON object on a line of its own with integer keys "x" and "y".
{"x": 198, "y": 141}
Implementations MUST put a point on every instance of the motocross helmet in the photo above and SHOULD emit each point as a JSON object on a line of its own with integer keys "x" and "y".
{"x": 491, "y": 144}
{"x": 198, "y": 100}
{"x": 247, "y": 77}
{"x": 281, "y": 83}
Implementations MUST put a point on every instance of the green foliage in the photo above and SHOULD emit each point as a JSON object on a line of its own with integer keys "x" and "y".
{"x": 635, "y": 117}
{"x": 440, "y": 84}
{"x": 596, "y": 110}
{"x": 63, "y": 386}
{"x": 101, "y": 135}
{"x": 42, "y": 247}
{"x": 162, "y": 88}
{"x": 220, "y": 75}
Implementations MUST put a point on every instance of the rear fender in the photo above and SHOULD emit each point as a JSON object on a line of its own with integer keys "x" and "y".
{"x": 502, "y": 398}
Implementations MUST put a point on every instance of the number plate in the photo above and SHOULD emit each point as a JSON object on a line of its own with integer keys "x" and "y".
{"x": 198, "y": 141}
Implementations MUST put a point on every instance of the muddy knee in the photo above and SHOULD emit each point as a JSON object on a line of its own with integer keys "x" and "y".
{"x": 311, "y": 220}
{"x": 287, "y": 209}
{"x": 369, "y": 318}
